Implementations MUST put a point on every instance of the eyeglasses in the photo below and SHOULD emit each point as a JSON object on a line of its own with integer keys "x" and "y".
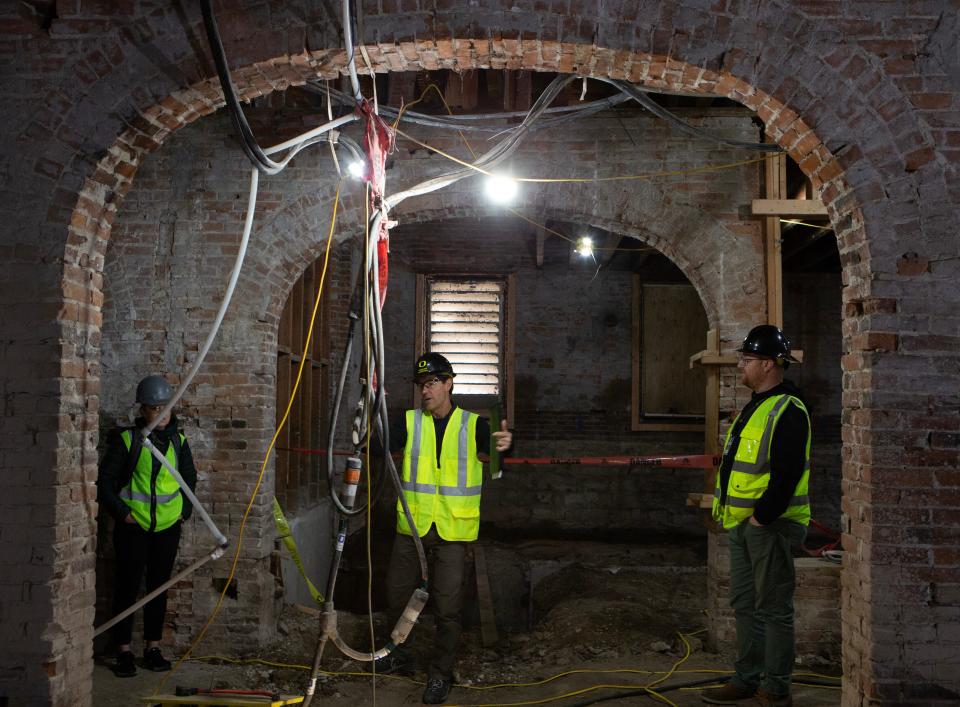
{"x": 154, "y": 408}
{"x": 744, "y": 360}
{"x": 429, "y": 383}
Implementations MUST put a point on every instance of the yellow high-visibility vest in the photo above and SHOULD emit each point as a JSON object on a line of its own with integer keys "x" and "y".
{"x": 447, "y": 495}
{"x": 156, "y": 504}
{"x": 750, "y": 473}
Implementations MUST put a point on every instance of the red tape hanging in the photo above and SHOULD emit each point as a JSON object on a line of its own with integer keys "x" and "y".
{"x": 379, "y": 140}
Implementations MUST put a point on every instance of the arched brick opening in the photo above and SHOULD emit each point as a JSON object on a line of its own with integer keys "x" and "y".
{"x": 103, "y": 193}
{"x": 100, "y": 196}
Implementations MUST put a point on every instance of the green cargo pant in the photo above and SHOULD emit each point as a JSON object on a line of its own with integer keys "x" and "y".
{"x": 762, "y": 582}
{"x": 445, "y": 561}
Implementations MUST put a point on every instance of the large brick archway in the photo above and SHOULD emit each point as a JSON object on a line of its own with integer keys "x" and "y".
{"x": 103, "y": 194}
{"x": 866, "y": 117}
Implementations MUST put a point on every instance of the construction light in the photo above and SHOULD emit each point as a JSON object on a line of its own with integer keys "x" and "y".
{"x": 585, "y": 246}
{"x": 500, "y": 189}
{"x": 358, "y": 170}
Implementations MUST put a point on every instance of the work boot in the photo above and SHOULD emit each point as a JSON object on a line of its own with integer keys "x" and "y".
{"x": 728, "y": 694}
{"x": 126, "y": 666}
{"x": 153, "y": 660}
{"x": 437, "y": 691}
{"x": 764, "y": 699}
{"x": 393, "y": 664}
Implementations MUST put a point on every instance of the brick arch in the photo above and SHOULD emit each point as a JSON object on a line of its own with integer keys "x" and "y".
{"x": 102, "y": 192}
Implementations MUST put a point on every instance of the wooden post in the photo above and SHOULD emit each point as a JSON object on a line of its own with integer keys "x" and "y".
{"x": 775, "y": 187}
{"x": 711, "y": 431}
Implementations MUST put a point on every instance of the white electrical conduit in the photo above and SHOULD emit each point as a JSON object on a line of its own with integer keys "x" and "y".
{"x": 214, "y": 554}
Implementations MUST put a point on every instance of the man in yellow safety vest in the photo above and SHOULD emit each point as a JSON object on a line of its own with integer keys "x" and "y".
{"x": 148, "y": 507}
{"x": 762, "y": 499}
{"x": 442, "y": 477}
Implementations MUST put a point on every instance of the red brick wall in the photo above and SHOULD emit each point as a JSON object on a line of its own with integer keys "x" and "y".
{"x": 867, "y": 102}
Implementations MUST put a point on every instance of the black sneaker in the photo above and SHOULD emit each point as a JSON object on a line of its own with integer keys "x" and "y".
{"x": 153, "y": 660}
{"x": 393, "y": 664}
{"x": 437, "y": 691}
{"x": 125, "y": 667}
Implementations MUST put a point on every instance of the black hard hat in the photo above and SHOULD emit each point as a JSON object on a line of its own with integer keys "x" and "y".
{"x": 767, "y": 340}
{"x": 154, "y": 390}
{"x": 433, "y": 363}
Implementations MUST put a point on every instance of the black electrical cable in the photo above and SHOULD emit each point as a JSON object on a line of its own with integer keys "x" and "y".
{"x": 691, "y": 683}
{"x": 457, "y": 122}
{"x": 247, "y": 141}
{"x": 643, "y": 99}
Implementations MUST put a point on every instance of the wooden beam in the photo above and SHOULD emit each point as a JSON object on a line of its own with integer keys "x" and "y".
{"x": 488, "y": 619}
{"x": 787, "y": 208}
{"x": 712, "y": 358}
{"x": 774, "y": 187}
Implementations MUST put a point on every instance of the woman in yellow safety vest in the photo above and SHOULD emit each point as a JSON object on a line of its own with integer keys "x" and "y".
{"x": 148, "y": 507}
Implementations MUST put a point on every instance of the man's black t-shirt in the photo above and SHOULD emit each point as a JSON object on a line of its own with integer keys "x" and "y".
{"x": 398, "y": 433}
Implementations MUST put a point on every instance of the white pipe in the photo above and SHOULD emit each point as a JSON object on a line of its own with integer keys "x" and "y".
{"x": 319, "y": 130}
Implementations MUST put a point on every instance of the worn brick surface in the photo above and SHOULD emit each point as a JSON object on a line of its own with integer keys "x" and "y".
{"x": 865, "y": 100}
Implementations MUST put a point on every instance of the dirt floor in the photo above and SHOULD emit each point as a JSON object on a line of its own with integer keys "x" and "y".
{"x": 585, "y": 620}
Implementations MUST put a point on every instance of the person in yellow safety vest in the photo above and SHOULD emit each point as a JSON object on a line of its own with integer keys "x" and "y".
{"x": 148, "y": 507}
{"x": 762, "y": 500}
{"x": 442, "y": 478}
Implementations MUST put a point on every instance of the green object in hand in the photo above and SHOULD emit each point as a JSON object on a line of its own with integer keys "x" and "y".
{"x": 495, "y": 471}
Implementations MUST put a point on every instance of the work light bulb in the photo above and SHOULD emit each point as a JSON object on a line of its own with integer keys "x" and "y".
{"x": 500, "y": 189}
{"x": 585, "y": 246}
{"x": 357, "y": 169}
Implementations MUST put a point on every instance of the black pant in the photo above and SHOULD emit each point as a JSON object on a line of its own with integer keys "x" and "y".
{"x": 445, "y": 560}
{"x": 137, "y": 550}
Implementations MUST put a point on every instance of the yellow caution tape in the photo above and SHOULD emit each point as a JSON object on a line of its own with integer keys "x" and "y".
{"x": 283, "y": 530}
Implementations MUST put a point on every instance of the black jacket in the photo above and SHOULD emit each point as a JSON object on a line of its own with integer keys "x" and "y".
{"x": 117, "y": 467}
{"x": 787, "y": 454}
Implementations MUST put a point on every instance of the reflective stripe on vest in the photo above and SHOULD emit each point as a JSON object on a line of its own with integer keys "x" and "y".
{"x": 750, "y": 471}
{"x": 155, "y": 504}
{"x": 447, "y": 495}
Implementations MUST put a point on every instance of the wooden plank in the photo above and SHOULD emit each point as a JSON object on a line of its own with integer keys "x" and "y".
{"x": 711, "y": 424}
{"x": 665, "y": 389}
{"x": 700, "y": 500}
{"x": 488, "y": 619}
{"x": 705, "y": 358}
{"x": 635, "y": 359}
{"x": 296, "y": 323}
{"x": 788, "y": 208}
{"x": 774, "y": 188}
{"x": 510, "y": 347}
{"x": 420, "y": 334}
{"x": 668, "y": 427}
{"x": 709, "y": 358}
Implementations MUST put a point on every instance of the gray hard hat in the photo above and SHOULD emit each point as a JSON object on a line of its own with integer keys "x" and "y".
{"x": 154, "y": 390}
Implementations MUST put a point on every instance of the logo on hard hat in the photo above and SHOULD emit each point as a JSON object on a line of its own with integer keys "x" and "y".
{"x": 423, "y": 366}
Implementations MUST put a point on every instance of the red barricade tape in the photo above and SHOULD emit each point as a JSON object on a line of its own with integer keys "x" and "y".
{"x": 687, "y": 461}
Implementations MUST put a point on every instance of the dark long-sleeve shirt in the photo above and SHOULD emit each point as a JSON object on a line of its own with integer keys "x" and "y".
{"x": 116, "y": 468}
{"x": 787, "y": 454}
